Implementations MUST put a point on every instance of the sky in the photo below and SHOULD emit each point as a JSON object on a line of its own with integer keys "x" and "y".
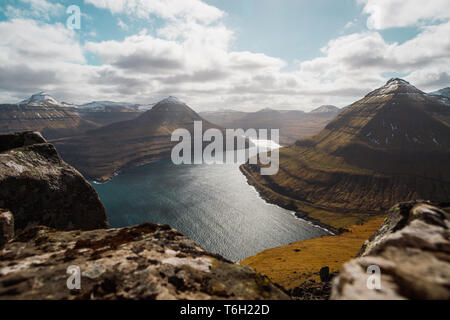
{"x": 222, "y": 54}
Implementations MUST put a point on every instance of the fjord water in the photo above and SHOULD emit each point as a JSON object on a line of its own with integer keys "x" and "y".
{"x": 211, "y": 204}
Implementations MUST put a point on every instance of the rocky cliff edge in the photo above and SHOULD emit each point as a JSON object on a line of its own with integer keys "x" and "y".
{"x": 407, "y": 258}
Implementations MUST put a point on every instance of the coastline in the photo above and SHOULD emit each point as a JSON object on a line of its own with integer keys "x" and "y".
{"x": 264, "y": 194}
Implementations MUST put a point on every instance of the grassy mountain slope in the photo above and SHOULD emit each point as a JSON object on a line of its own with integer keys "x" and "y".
{"x": 392, "y": 145}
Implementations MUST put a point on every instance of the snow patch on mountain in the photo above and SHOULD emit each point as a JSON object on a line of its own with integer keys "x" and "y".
{"x": 102, "y": 105}
{"x": 442, "y": 95}
{"x": 396, "y": 86}
{"x": 445, "y": 92}
{"x": 41, "y": 99}
{"x": 171, "y": 100}
{"x": 325, "y": 109}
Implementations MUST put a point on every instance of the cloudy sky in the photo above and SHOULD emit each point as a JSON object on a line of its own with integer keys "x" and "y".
{"x": 222, "y": 54}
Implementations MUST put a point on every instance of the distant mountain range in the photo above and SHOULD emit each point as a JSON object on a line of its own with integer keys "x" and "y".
{"x": 392, "y": 145}
{"x": 54, "y": 119}
{"x": 43, "y": 113}
{"x": 443, "y": 95}
{"x": 326, "y": 109}
{"x": 293, "y": 124}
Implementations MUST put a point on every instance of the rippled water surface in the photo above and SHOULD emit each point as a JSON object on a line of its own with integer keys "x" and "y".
{"x": 213, "y": 205}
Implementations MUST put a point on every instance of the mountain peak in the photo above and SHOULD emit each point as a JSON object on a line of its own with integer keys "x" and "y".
{"x": 171, "y": 110}
{"x": 41, "y": 99}
{"x": 397, "y": 81}
{"x": 171, "y": 100}
{"x": 326, "y": 109}
{"x": 395, "y": 86}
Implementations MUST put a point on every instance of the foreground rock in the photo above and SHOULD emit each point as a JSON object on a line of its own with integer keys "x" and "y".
{"x": 412, "y": 250}
{"x": 143, "y": 262}
{"x": 38, "y": 188}
{"x": 6, "y": 227}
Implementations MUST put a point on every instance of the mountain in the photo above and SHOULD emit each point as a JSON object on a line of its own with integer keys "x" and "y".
{"x": 41, "y": 112}
{"x": 108, "y": 106}
{"x": 100, "y": 153}
{"x": 43, "y": 99}
{"x": 108, "y": 112}
{"x": 293, "y": 124}
{"x": 326, "y": 109}
{"x": 443, "y": 95}
{"x": 392, "y": 145}
{"x": 442, "y": 92}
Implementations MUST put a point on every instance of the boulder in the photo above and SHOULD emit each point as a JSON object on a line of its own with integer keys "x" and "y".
{"x": 39, "y": 188}
{"x": 324, "y": 274}
{"x": 411, "y": 252}
{"x": 19, "y": 139}
{"x": 143, "y": 262}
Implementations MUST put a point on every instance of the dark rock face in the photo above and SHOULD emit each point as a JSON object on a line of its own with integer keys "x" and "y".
{"x": 38, "y": 188}
{"x": 19, "y": 139}
{"x": 311, "y": 290}
{"x": 412, "y": 251}
{"x": 325, "y": 274}
{"x": 142, "y": 262}
{"x": 6, "y": 227}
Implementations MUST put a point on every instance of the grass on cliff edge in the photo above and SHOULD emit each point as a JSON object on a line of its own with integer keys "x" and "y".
{"x": 293, "y": 264}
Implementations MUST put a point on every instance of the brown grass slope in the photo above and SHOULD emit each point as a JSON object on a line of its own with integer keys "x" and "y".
{"x": 52, "y": 121}
{"x": 294, "y": 264}
{"x": 100, "y": 153}
{"x": 391, "y": 146}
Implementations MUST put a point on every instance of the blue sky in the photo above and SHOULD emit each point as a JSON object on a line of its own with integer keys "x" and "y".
{"x": 241, "y": 54}
{"x": 293, "y": 30}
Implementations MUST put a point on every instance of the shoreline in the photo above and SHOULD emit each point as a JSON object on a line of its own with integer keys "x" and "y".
{"x": 298, "y": 215}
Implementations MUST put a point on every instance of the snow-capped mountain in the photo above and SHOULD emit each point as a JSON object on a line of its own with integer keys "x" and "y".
{"x": 171, "y": 100}
{"x": 98, "y": 106}
{"x": 442, "y": 95}
{"x": 443, "y": 92}
{"x": 326, "y": 109}
{"x": 42, "y": 99}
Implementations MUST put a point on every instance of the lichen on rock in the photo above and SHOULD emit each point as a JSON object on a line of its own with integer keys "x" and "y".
{"x": 142, "y": 262}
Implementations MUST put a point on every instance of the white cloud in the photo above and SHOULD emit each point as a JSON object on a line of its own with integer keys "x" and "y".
{"x": 166, "y": 9}
{"x": 349, "y": 25}
{"x": 39, "y": 9}
{"x": 385, "y": 14}
{"x": 360, "y": 59}
{"x": 193, "y": 59}
{"x": 122, "y": 25}
{"x": 27, "y": 41}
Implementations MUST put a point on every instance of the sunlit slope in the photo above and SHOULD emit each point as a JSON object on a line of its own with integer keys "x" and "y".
{"x": 393, "y": 145}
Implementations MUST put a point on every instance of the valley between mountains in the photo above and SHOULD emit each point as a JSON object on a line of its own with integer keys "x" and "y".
{"x": 341, "y": 171}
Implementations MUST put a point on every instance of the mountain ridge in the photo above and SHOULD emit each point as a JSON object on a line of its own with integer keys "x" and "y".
{"x": 387, "y": 147}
